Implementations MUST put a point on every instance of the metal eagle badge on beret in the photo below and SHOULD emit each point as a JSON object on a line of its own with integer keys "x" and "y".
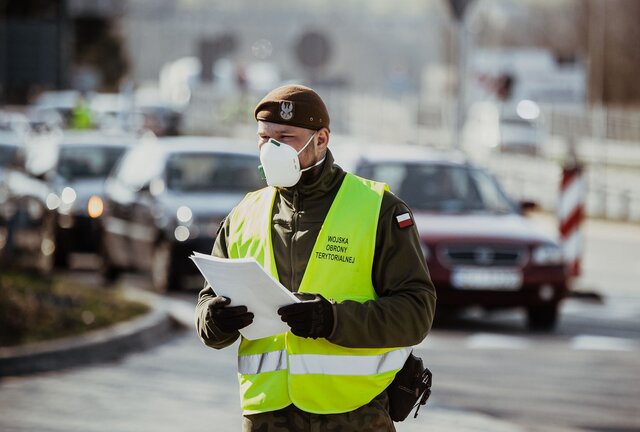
{"x": 286, "y": 110}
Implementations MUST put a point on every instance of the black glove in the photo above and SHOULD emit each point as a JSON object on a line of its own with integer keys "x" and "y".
{"x": 313, "y": 317}
{"x": 228, "y": 318}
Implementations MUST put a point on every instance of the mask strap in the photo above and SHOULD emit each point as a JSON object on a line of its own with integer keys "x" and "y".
{"x": 314, "y": 165}
{"x": 305, "y": 146}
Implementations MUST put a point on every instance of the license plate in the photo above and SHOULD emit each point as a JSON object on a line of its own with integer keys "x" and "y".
{"x": 486, "y": 278}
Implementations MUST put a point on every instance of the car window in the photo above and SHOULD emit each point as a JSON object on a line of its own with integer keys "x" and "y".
{"x": 190, "y": 172}
{"x": 516, "y": 122}
{"x": 440, "y": 187}
{"x": 139, "y": 166}
{"x": 493, "y": 197}
{"x": 91, "y": 161}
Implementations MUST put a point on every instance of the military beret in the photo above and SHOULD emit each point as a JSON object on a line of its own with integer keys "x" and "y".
{"x": 294, "y": 105}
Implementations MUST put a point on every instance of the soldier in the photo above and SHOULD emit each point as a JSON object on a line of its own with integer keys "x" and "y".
{"x": 81, "y": 117}
{"x": 348, "y": 248}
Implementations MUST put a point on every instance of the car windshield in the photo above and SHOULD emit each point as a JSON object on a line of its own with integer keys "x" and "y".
{"x": 441, "y": 187}
{"x": 7, "y": 154}
{"x": 92, "y": 161}
{"x": 192, "y": 172}
{"x": 517, "y": 122}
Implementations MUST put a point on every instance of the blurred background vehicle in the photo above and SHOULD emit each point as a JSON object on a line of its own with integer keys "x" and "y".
{"x": 520, "y": 135}
{"x": 15, "y": 122}
{"x": 490, "y": 127}
{"x": 142, "y": 110}
{"x": 55, "y": 195}
{"x": 54, "y": 108}
{"x": 160, "y": 116}
{"x": 167, "y": 199}
{"x": 10, "y": 144}
{"x": 11, "y": 147}
{"x": 480, "y": 248}
{"x": 82, "y": 162}
{"x": 22, "y": 215}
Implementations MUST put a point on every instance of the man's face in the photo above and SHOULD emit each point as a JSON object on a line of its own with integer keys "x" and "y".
{"x": 296, "y": 137}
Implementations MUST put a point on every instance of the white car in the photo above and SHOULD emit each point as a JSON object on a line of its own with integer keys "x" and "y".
{"x": 518, "y": 135}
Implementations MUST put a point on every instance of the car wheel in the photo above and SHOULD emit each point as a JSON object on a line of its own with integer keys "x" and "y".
{"x": 542, "y": 317}
{"x": 60, "y": 256}
{"x": 47, "y": 254}
{"x": 163, "y": 274}
{"x": 108, "y": 271}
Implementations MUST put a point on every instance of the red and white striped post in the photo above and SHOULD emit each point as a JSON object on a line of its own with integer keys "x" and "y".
{"x": 573, "y": 194}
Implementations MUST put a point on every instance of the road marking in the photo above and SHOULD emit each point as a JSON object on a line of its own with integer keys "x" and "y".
{"x": 582, "y": 342}
{"x": 622, "y": 308}
{"x": 495, "y": 341}
{"x": 603, "y": 343}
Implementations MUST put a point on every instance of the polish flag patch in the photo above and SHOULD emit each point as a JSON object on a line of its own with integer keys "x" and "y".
{"x": 404, "y": 220}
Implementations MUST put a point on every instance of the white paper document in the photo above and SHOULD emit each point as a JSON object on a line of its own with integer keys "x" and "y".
{"x": 246, "y": 283}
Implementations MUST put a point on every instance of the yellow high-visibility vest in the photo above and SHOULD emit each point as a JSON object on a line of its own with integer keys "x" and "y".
{"x": 316, "y": 375}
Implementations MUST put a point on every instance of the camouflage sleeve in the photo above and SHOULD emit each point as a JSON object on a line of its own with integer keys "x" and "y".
{"x": 209, "y": 334}
{"x": 404, "y": 311}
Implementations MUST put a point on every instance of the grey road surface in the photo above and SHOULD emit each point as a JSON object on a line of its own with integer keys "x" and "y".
{"x": 179, "y": 386}
{"x": 489, "y": 373}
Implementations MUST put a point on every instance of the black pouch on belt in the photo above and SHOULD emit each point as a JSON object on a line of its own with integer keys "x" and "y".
{"x": 410, "y": 389}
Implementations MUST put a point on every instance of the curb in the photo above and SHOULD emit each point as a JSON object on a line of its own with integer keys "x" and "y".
{"x": 97, "y": 346}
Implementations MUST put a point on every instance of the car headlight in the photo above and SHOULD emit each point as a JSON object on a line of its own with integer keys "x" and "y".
{"x": 184, "y": 214}
{"x": 53, "y": 201}
{"x": 547, "y": 255}
{"x": 181, "y": 233}
{"x": 68, "y": 195}
{"x": 65, "y": 202}
{"x": 95, "y": 207}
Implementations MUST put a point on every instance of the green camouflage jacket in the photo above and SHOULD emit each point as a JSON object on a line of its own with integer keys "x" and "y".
{"x": 404, "y": 311}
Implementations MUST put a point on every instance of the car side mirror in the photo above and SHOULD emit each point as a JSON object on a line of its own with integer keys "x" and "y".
{"x": 47, "y": 176}
{"x": 527, "y": 206}
{"x": 146, "y": 188}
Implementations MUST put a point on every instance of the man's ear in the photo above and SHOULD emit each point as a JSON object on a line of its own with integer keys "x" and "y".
{"x": 323, "y": 139}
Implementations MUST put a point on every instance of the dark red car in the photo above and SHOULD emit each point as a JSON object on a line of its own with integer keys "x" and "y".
{"x": 480, "y": 248}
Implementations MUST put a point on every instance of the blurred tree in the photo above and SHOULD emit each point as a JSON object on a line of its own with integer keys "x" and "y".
{"x": 605, "y": 32}
{"x": 43, "y": 41}
{"x": 99, "y": 46}
{"x": 30, "y": 8}
{"x": 32, "y": 37}
{"x": 613, "y": 37}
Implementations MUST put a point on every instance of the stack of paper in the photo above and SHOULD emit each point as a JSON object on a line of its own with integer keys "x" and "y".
{"x": 246, "y": 283}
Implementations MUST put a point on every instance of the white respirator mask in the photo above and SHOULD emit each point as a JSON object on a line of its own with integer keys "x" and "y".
{"x": 280, "y": 163}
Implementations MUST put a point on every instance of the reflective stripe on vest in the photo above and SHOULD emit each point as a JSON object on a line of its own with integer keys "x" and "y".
{"x": 260, "y": 363}
{"x": 322, "y": 364}
{"x": 347, "y": 365}
{"x": 339, "y": 267}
